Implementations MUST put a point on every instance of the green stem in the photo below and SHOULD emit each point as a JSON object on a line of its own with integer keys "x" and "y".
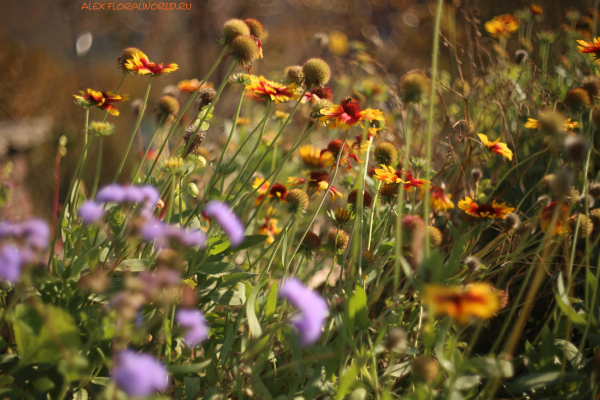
{"x": 98, "y": 168}
{"x": 137, "y": 171}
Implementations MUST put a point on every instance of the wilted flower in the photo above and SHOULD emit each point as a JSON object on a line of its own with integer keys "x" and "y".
{"x": 502, "y": 25}
{"x": 268, "y": 90}
{"x": 478, "y": 300}
{"x": 139, "y": 374}
{"x": 561, "y": 224}
{"x": 496, "y": 146}
{"x": 190, "y": 86}
{"x": 140, "y": 65}
{"x": 199, "y": 138}
{"x": 103, "y": 100}
{"x": 230, "y": 223}
{"x": 195, "y": 324}
{"x": 313, "y": 158}
{"x": 348, "y": 114}
{"x": 492, "y": 211}
{"x": 313, "y": 310}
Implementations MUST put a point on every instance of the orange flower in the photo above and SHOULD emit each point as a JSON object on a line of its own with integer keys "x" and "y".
{"x": 348, "y": 114}
{"x": 318, "y": 93}
{"x": 335, "y": 146}
{"x": 502, "y": 25}
{"x": 190, "y": 86}
{"x": 102, "y": 100}
{"x": 592, "y": 47}
{"x": 270, "y": 229}
{"x": 267, "y": 90}
{"x": 475, "y": 301}
{"x": 439, "y": 200}
{"x": 277, "y": 192}
{"x": 390, "y": 175}
{"x": 140, "y": 64}
{"x": 314, "y": 158}
{"x": 492, "y": 211}
{"x": 536, "y": 10}
{"x": 536, "y": 124}
{"x": 561, "y": 225}
{"x": 318, "y": 181}
{"x": 496, "y": 146}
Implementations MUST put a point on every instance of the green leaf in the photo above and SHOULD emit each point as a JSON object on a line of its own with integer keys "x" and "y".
{"x": 356, "y": 313}
{"x": 271, "y": 303}
{"x": 253, "y": 324}
{"x": 541, "y": 380}
{"x": 219, "y": 248}
{"x": 134, "y": 265}
{"x": 36, "y": 342}
{"x": 191, "y": 385}
{"x": 491, "y": 367}
{"x": 346, "y": 382}
{"x": 186, "y": 369}
{"x": 284, "y": 248}
{"x": 227, "y": 346}
{"x": 251, "y": 241}
{"x": 75, "y": 268}
{"x": 216, "y": 268}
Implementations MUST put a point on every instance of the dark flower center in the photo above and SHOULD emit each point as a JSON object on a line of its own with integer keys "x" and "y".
{"x": 351, "y": 107}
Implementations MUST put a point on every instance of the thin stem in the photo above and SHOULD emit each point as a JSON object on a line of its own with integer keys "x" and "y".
{"x": 98, "y": 168}
{"x": 137, "y": 171}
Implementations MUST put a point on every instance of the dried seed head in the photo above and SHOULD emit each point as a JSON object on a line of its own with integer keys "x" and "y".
{"x": 386, "y": 153}
{"x": 315, "y": 112}
{"x": 548, "y": 180}
{"x": 476, "y": 173}
{"x": 576, "y": 148}
{"x": 294, "y": 75}
{"x": 136, "y": 106}
{"x": 234, "y": 28}
{"x": 414, "y": 87}
{"x": 368, "y": 259}
{"x": 168, "y": 106}
{"x": 353, "y": 199}
{"x": 595, "y": 190}
{"x": 503, "y": 296}
{"x": 388, "y": 192}
{"x": 196, "y": 142}
{"x": 473, "y": 263}
{"x": 256, "y": 28}
{"x": 511, "y": 222}
{"x": 316, "y": 72}
{"x": 244, "y": 49}
{"x": 435, "y": 236}
{"x": 396, "y": 340}
{"x": 586, "y": 226}
{"x": 584, "y": 201}
{"x": 311, "y": 241}
{"x": 297, "y": 201}
{"x": 425, "y": 368}
{"x": 578, "y": 99}
{"x": 205, "y": 97}
{"x": 592, "y": 85}
{"x": 342, "y": 239}
{"x": 521, "y": 56}
{"x": 543, "y": 201}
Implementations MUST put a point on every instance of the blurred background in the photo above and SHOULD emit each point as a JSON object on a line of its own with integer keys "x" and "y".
{"x": 51, "y": 49}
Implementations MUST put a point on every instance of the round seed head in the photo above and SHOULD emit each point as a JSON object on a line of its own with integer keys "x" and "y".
{"x": 316, "y": 72}
{"x": 368, "y": 259}
{"x": 425, "y": 368}
{"x": 196, "y": 142}
{"x": 386, "y": 153}
{"x": 586, "y": 226}
{"x": 294, "y": 74}
{"x": 414, "y": 87}
{"x": 256, "y": 28}
{"x": 473, "y": 263}
{"x": 388, "y": 192}
{"x": 521, "y": 55}
{"x": 353, "y": 199}
{"x": 512, "y": 222}
{"x": 578, "y": 99}
{"x": 168, "y": 106}
{"x": 297, "y": 201}
{"x": 311, "y": 241}
{"x": 435, "y": 236}
{"x": 342, "y": 239}
{"x": 234, "y": 28}
{"x": 245, "y": 49}
{"x": 205, "y": 97}
{"x": 336, "y": 145}
{"x": 591, "y": 84}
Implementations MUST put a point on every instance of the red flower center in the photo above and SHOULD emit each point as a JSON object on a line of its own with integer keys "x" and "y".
{"x": 324, "y": 92}
{"x": 318, "y": 176}
{"x": 335, "y": 145}
{"x": 351, "y": 107}
{"x": 486, "y": 208}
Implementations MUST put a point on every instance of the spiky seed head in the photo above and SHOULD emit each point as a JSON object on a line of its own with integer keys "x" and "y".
{"x": 595, "y": 190}
{"x": 336, "y": 145}
{"x": 342, "y": 239}
{"x": 196, "y": 142}
{"x": 256, "y": 28}
{"x": 576, "y": 148}
{"x": 578, "y": 99}
{"x": 315, "y": 112}
{"x": 476, "y": 174}
{"x": 473, "y": 263}
{"x": 388, "y": 192}
{"x": 585, "y": 201}
{"x": 168, "y": 106}
{"x": 591, "y": 84}
{"x": 353, "y": 199}
{"x": 98, "y": 128}
{"x": 244, "y": 49}
{"x": 386, "y": 153}
{"x": 414, "y": 86}
{"x": 548, "y": 180}
{"x": 205, "y": 97}
{"x": 234, "y": 28}
{"x": 521, "y": 56}
{"x": 341, "y": 216}
{"x": 311, "y": 241}
{"x": 512, "y": 222}
{"x": 316, "y": 72}
{"x": 595, "y": 217}
{"x": 368, "y": 259}
{"x": 435, "y": 236}
{"x": 396, "y": 340}
{"x": 424, "y": 368}
{"x": 586, "y": 226}
{"x": 294, "y": 75}
{"x": 297, "y": 201}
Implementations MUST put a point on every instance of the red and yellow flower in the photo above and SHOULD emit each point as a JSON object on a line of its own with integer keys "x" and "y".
{"x": 319, "y": 182}
{"x": 348, "y": 114}
{"x": 479, "y": 300}
{"x": 496, "y": 146}
{"x": 561, "y": 225}
{"x": 277, "y": 192}
{"x": 389, "y": 174}
{"x": 493, "y": 211}
{"x": 318, "y": 93}
{"x": 313, "y": 158}
{"x": 103, "y": 100}
{"x": 440, "y": 200}
{"x": 127, "y": 55}
{"x": 264, "y": 89}
{"x": 536, "y": 124}
{"x": 270, "y": 229}
{"x": 140, "y": 65}
{"x": 502, "y": 25}
{"x": 592, "y": 47}
{"x": 335, "y": 147}
{"x": 536, "y": 10}
{"x": 190, "y": 86}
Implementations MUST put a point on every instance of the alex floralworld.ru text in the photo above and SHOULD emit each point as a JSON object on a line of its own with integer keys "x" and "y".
{"x": 137, "y": 6}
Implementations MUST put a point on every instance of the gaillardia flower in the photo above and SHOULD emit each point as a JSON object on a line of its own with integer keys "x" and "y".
{"x": 338, "y": 147}
{"x": 592, "y": 47}
{"x": 313, "y": 158}
{"x": 502, "y": 25}
{"x": 546, "y": 121}
{"x": 440, "y": 200}
{"x": 561, "y": 225}
{"x": 348, "y": 114}
{"x": 140, "y": 65}
{"x": 475, "y": 301}
{"x": 268, "y": 90}
{"x": 103, "y": 100}
{"x": 318, "y": 180}
{"x": 492, "y": 211}
{"x": 190, "y": 86}
{"x": 270, "y": 229}
{"x": 127, "y": 55}
{"x": 277, "y": 192}
{"x": 389, "y": 174}
{"x": 496, "y": 146}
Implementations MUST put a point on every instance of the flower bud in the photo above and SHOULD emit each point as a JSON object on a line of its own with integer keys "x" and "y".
{"x": 425, "y": 368}
{"x": 316, "y": 72}
{"x": 172, "y": 165}
{"x": 97, "y": 128}
{"x": 342, "y": 240}
{"x": 386, "y": 153}
{"x": 192, "y": 189}
{"x": 414, "y": 86}
{"x": 435, "y": 236}
{"x": 297, "y": 201}
{"x": 234, "y": 28}
{"x": 256, "y": 28}
{"x": 168, "y": 107}
{"x": 196, "y": 142}
{"x": 341, "y": 216}
{"x": 245, "y": 50}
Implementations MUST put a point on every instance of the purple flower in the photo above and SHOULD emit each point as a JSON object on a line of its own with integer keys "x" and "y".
{"x": 230, "y": 223}
{"x": 196, "y": 326}
{"x": 313, "y": 310}
{"x": 189, "y": 238}
{"x": 11, "y": 261}
{"x": 91, "y": 212}
{"x": 35, "y": 231}
{"x": 159, "y": 231}
{"x": 151, "y": 195}
{"x": 133, "y": 194}
{"x": 139, "y": 374}
{"x": 112, "y": 193}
